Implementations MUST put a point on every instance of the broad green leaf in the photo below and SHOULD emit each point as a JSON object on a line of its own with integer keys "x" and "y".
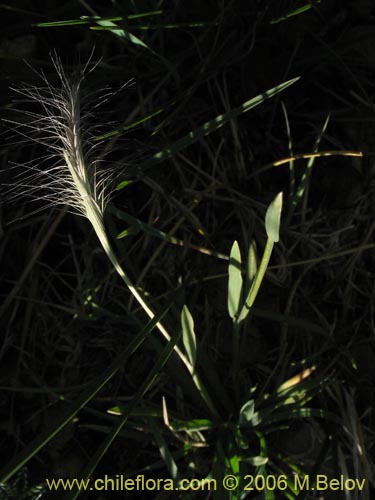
{"x": 273, "y": 218}
{"x": 252, "y": 265}
{"x": 188, "y": 335}
{"x": 234, "y": 281}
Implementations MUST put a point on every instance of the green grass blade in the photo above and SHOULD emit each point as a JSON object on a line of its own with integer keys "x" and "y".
{"x": 303, "y": 184}
{"x": 292, "y": 321}
{"x": 94, "y": 19}
{"x": 213, "y": 125}
{"x": 219, "y": 469}
{"x": 126, "y": 412}
{"x": 103, "y": 23}
{"x": 164, "y": 451}
{"x": 188, "y": 335}
{"x": 145, "y": 14}
{"x": 128, "y": 126}
{"x": 253, "y": 292}
{"x": 192, "y": 425}
{"x": 67, "y": 22}
{"x": 122, "y": 33}
{"x": 68, "y": 414}
{"x": 292, "y": 13}
{"x": 138, "y": 225}
{"x": 192, "y": 24}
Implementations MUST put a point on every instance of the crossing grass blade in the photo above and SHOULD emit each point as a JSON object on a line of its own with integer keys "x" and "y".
{"x": 302, "y": 189}
{"x": 68, "y": 414}
{"x": 128, "y": 126}
{"x": 292, "y": 13}
{"x": 104, "y": 23}
{"x": 213, "y": 125}
{"x": 126, "y": 412}
{"x": 93, "y": 19}
{"x": 164, "y": 451}
{"x": 138, "y": 225}
{"x": 121, "y": 32}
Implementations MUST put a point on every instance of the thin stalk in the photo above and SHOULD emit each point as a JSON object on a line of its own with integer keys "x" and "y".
{"x": 236, "y": 357}
{"x": 76, "y": 182}
{"x": 94, "y": 214}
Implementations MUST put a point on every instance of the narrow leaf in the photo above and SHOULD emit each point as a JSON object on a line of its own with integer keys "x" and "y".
{"x": 302, "y": 189}
{"x": 164, "y": 450}
{"x": 252, "y": 265}
{"x": 13, "y": 466}
{"x": 213, "y": 125}
{"x": 273, "y": 218}
{"x": 93, "y": 19}
{"x": 144, "y": 387}
{"x": 292, "y": 13}
{"x": 109, "y": 25}
{"x": 254, "y": 289}
{"x": 125, "y": 127}
{"x": 234, "y": 281}
{"x": 188, "y": 335}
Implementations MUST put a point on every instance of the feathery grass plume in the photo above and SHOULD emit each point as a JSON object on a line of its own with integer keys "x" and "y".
{"x": 64, "y": 175}
{"x": 72, "y": 180}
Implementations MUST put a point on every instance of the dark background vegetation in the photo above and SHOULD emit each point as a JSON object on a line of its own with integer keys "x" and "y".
{"x": 66, "y": 315}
